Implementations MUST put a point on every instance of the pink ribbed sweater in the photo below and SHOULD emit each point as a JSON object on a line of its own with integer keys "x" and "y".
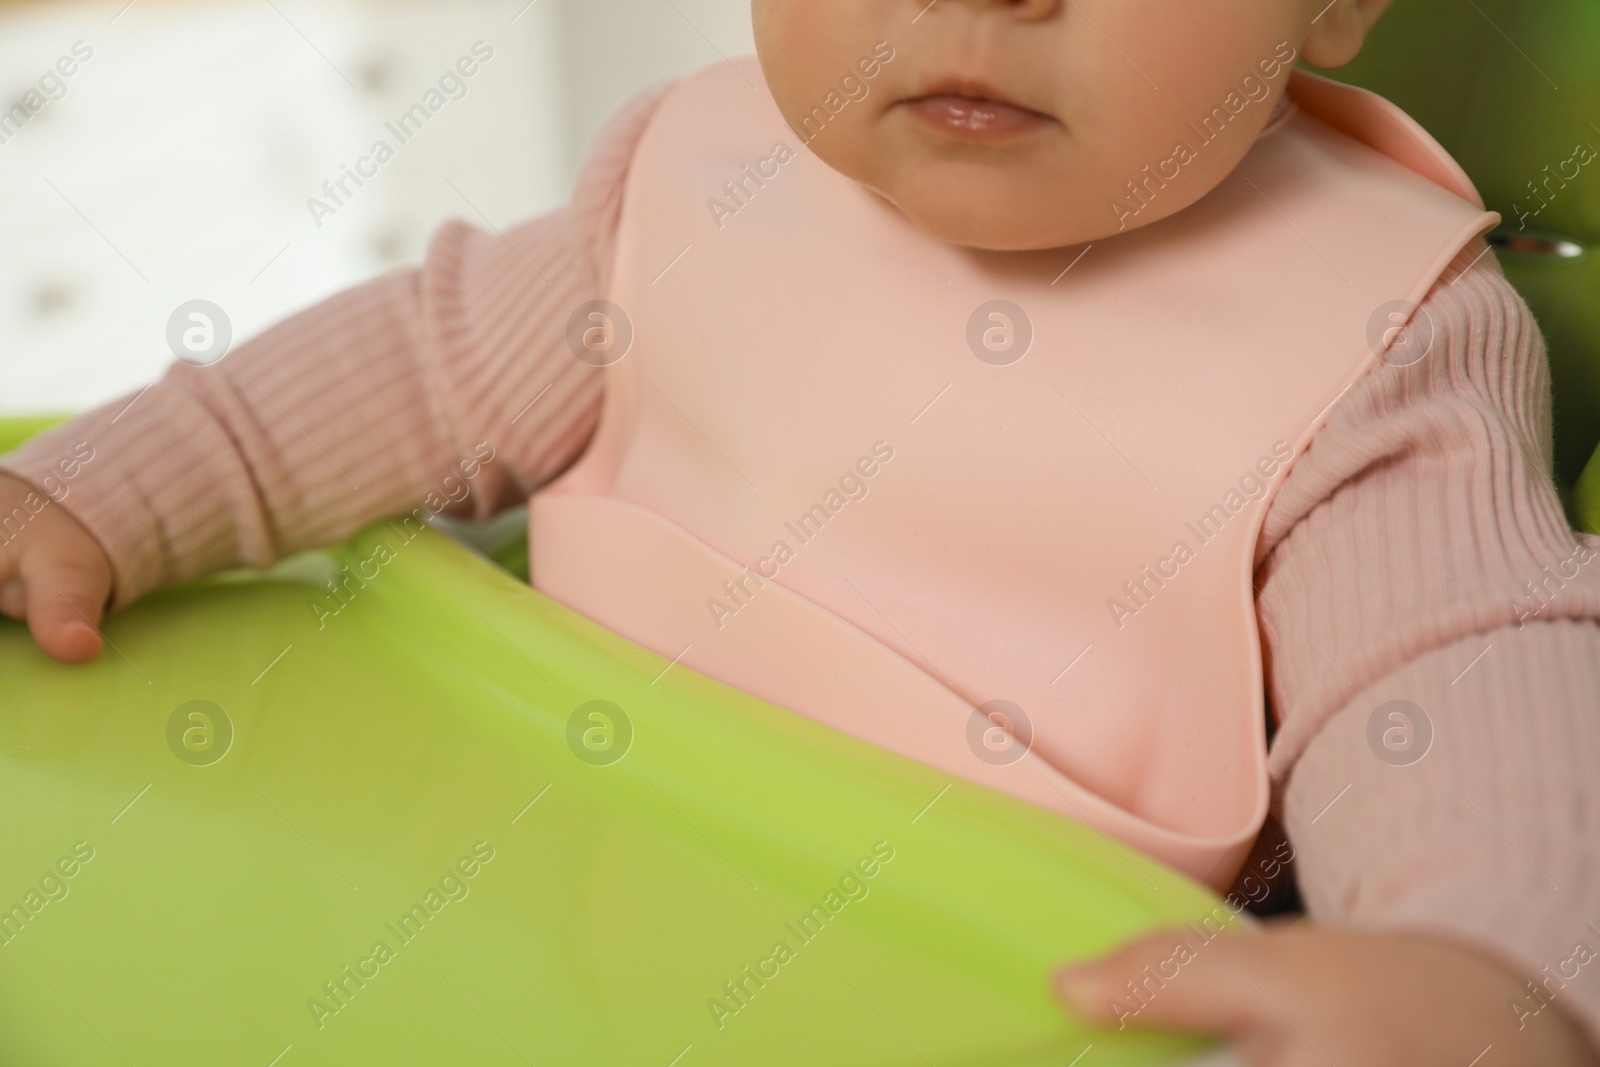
{"x": 1394, "y": 564}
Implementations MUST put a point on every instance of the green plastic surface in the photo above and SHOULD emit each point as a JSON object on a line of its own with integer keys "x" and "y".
{"x": 245, "y": 851}
{"x": 14, "y": 431}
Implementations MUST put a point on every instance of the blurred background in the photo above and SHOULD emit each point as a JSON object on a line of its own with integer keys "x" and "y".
{"x": 175, "y": 161}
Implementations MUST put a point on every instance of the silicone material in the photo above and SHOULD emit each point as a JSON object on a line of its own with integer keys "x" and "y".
{"x": 415, "y": 736}
{"x": 808, "y": 456}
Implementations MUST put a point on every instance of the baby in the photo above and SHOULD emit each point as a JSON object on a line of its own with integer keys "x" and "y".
{"x": 1070, "y": 360}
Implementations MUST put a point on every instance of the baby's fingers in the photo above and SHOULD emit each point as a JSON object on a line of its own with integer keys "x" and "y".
{"x": 1300, "y": 995}
{"x": 13, "y": 596}
{"x": 65, "y": 599}
{"x": 1172, "y": 980}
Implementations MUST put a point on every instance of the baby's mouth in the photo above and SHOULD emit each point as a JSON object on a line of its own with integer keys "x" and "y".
{"x": 972, "y": 113}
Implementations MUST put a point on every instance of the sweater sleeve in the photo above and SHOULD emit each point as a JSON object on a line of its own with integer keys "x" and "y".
{"x": 1432, "y": 627}
{"x": 360, "y": 406}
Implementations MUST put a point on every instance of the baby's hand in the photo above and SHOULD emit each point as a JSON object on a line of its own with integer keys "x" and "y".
{"x": 1307, "y": 997}
{"x": 52, "y": 573}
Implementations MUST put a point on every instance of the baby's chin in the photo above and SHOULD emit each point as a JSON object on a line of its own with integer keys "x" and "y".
{"x": 1003, "y": 206}
{"x": 996, "y": 216}
{"x": 1018, "y": 212}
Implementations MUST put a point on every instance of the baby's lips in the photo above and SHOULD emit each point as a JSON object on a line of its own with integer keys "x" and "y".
{"x": 975, "y": 118}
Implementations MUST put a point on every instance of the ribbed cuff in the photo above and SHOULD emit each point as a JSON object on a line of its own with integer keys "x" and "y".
{"x": 1493, "y": 836}
{"x": 119, "y": 488}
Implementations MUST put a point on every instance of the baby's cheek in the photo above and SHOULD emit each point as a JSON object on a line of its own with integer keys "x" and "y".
{"x": 808, "y": 47}
{"x": 1208, "y": 76}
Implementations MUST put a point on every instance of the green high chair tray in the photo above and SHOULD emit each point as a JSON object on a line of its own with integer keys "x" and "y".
{"x": 429, "y": 816}
{"x": 388, "y": 804}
